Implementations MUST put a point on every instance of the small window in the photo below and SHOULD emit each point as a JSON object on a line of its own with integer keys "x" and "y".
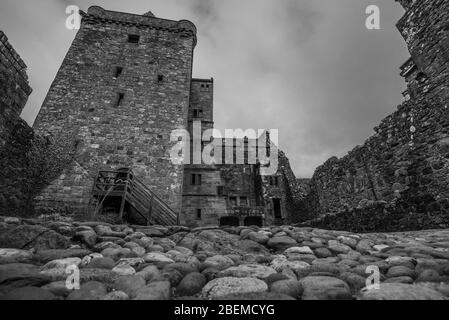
{"x": 197, "y": 113}
{"x": 117, "y": 72}
{"x": 133, "y": 38}
{"x": 160, "y": 78}
{"x": 198, "y": 214}
{"x": 220, "y": 190}
{"x": 121, "y": 97}
{"x": 233, "y": 201}
{"x": 244, "y": 201}
{"x": 195, "y": 179}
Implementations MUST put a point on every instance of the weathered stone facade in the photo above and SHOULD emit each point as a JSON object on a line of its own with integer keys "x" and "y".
{"x": 16, "y": 136}
{"x": 232, "y": 191}
{"x": 406, "y": 163}
{"x": 123, "y": 86}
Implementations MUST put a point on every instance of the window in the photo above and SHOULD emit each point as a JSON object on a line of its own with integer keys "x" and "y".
{"x": 274, "y": 181}
{"x": 120, "y": 98}
{"x": 205, "y": 87}
{"x": 195, "y": 179}
{"x": 197, "y": 113}
{"x": 133, "y": 38}
{"x": 198, "y": 214}
{"x": 160, "y": 78}
{"x": 117, "y": 72}
{"x": 220, "y": 190}
{"x": 244, "y": 201}
{"x": 233, "y": 201}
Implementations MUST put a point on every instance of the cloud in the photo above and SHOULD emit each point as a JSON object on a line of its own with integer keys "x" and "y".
{"x": 308, "y": 68}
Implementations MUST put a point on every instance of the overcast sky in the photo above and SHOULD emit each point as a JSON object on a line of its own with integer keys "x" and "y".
{"x": 309, "y": 68}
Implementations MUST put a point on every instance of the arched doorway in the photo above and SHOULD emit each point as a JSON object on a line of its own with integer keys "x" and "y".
{"x": 229, "y": 221}
{"x": 253, "y": 221}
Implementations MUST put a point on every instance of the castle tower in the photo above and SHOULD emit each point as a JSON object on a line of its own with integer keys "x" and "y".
{"x": 123, "y": 86}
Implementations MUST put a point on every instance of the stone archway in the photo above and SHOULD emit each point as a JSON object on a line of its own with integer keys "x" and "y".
{"x": 229, "y": 221}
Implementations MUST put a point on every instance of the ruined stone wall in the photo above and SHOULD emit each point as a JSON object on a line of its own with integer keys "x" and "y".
{"x": 16, "y": 136}
{"x": 121, "y": 99}
{"x": 287, "y": 189}
{"x": 406, "y": 162}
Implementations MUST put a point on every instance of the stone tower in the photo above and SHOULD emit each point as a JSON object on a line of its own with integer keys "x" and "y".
{"x": 123, "y": 86}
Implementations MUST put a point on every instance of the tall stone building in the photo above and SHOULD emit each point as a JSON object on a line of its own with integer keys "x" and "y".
{"x": 124, "y": 86}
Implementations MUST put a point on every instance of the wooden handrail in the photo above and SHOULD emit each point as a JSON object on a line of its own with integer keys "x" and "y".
{"x": 136, "y": 194}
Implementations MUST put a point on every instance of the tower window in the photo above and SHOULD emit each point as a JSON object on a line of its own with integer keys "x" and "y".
{"x": 120, "y": 98}
{"x": 160, "y": 78}
{"x": 198, "y": 214}
{"x": 118, "y": 71}
{"x": 244, "y": 201}
{"x": 195, "y": 179}
{"x": 197, "y": 113}
{"x": 274, "y": 181}
{"x": 133, "y": 38}
{"x": 205, "y": 87}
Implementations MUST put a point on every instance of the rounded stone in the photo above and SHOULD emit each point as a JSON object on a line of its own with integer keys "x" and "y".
{"x": 248, "y": 271}
{"x": 157, "y": 290}
{"x": 220, "y": 262}
{"x": 101, "y": 263}
{"x": 401, "y": 291}
{"x": 325, "y": 288}
{"x": 224, "y": 286}
{"x": 191, "y": 284}
{"x": 291, "y": 288}
{"x": 400, "y": 271}
{"x": 92, "y": 290}
{"x": 129, "y": 285}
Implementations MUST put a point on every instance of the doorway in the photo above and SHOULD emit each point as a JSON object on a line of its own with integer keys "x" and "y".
{"x": 277, "y": 208}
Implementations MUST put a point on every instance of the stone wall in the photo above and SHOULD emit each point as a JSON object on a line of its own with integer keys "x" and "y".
{"x": 15, "y": 135}
{"x": 120, "y": 96}
{"x": 406, "y": 162}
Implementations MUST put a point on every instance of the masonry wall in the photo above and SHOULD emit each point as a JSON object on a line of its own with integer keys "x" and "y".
{"x": 16, "y": 136}
{"x": 120, "y": 120}
{"x": 405, "y": 165}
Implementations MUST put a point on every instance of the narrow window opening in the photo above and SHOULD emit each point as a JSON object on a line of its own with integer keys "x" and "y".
{"x": 118, "y": 71}
{"x": 233, "y": 201}
{"x": 220, "y": 190}
{"x": 197, "y": 113}
{"x": 133, "y": 38}
{"x": 195, "y": 180}
{"x": 244, "y": 201}
{"x": 198, "y": 214}
{"x": 160, "y": 78}
{"x": 121, "y": 96}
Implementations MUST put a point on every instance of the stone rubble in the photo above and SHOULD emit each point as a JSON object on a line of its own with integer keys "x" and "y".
{"x": 160, "y": 263}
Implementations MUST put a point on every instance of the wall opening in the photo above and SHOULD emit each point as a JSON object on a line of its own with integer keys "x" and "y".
{"x": 229, "y": 221}
{"x": 277, "y": 208}
{"x": 133, "y": 38}
{"x": 253, "y": 221}
{"x": 118, "y": 71}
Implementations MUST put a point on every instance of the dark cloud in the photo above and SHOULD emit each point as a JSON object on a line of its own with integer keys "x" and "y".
{"x": 307, "y": 67}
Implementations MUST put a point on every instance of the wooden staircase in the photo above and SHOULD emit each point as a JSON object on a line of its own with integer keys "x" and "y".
{"x": 131, "y": 197}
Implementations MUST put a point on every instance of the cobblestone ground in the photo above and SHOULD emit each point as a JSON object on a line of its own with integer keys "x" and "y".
{"x": 119, "y": 262}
